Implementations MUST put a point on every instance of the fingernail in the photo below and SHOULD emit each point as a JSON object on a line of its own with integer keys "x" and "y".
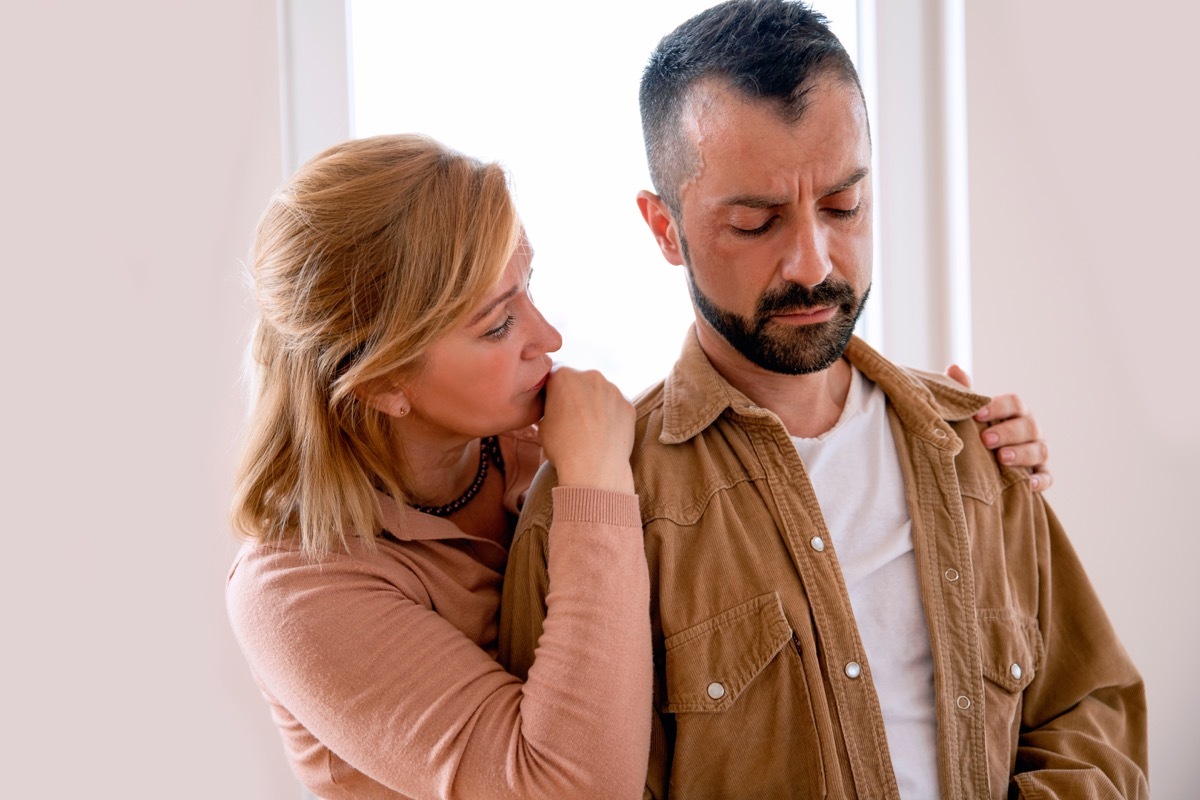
{"x": 1007, "y": 456}
{"x": 991, "y": 439}
{"x": 1034, "y": 482}
{"x": 982, "y": 413}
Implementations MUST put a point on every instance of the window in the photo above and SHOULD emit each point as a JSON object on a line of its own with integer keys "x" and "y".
{"x": 550, "y": 90}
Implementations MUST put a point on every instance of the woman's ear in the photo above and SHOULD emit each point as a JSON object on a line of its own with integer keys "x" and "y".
{"x": 385, "y": 396}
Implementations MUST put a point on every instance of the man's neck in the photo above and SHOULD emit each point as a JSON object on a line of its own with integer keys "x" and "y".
{"x": 809, "y": 405}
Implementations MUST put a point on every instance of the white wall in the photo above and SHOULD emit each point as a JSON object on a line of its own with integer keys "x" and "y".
{"x": 1083, "y": 135}
{"x": 140, "y": 142}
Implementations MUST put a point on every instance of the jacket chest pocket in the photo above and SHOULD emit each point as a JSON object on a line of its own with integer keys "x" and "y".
{"x": 1012, "y": 653}
{"x": 743, "y": 719}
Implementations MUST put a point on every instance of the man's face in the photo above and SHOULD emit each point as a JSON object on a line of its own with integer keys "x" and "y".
{"x": 775, "y": 226}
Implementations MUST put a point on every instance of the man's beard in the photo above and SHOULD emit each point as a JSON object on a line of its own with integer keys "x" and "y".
{"x": 791, "y": 350}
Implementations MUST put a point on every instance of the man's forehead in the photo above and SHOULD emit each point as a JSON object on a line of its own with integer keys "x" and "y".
{"x": 738, "y": 137}
{"x": 713, "y": 104}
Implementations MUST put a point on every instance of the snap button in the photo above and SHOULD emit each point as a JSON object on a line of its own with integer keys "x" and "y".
{"x": 716, "y": 691}
{"x": 952, "y": 574}
{"x": 964, "y": 702}
{"x": 939, "y": 433}
{"x": 817, "y": 543}
{"x": 853, "y": 670}
{"x": 1015, "y": 671}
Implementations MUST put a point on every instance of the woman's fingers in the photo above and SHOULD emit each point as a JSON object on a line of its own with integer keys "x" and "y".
{"x": 587, "y": 431}
{"x": 957, "y": 373}
{"x": 1015, "y": 436}
{"x": 1014, "y": 433}
{"x": 1041, "y": 480}
{"x": 1002, "y": 407}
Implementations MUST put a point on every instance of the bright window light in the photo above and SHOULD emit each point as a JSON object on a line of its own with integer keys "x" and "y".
{"x": 549, "y": 89}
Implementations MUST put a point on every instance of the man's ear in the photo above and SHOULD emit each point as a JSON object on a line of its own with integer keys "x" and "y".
{"x": 662, "y": 224}
{"x": 386, "y": 397}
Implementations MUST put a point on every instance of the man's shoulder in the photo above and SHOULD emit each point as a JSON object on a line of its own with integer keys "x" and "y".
{"x": 935, "y": 396}
{"x": 537, "y": 511}
{"x": 920, "y": 390}
{"x": 650, "y": 399}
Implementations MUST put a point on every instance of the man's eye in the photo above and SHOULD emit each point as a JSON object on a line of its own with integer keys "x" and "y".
{"x": 845, "y": 213}
{"x": 759, "y": 231}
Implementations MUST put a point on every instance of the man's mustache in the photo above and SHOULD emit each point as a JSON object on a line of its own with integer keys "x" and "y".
{"x": 792, "y": 297}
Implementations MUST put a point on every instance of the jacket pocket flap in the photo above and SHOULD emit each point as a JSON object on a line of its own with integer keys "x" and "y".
{"x": 1011, "y": 649}
{"x": 709, "y": 664}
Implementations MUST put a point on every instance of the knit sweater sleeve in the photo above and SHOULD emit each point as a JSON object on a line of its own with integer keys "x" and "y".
{"x": 408, "y": 706}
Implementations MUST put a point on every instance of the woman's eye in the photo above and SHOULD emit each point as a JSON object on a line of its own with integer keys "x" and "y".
{"x": 501, "y": 330}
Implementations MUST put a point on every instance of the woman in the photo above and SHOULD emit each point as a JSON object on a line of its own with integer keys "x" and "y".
{"x": 402, "y": 368}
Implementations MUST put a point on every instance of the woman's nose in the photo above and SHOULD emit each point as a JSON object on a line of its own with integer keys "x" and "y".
{"x": 546, "y": 338}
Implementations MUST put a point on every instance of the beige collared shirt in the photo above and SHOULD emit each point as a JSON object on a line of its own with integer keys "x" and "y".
{"x": 762, "y": 685}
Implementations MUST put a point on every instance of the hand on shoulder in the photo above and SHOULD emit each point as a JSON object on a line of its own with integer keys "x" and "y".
{"x": 1013, "y": 433}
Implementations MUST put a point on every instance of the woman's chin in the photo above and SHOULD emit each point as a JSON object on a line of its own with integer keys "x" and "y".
{"x": 536, "y": 411}
{"x": 530, "y": 415}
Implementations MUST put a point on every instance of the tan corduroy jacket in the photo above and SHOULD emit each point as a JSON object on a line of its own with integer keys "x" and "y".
{"x": 753, "y": 629}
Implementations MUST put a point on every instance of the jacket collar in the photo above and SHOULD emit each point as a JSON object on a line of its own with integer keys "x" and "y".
{"x": 695, "y": 394}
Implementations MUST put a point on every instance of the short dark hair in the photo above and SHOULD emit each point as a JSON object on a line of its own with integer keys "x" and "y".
{"x": 766, "y": 49}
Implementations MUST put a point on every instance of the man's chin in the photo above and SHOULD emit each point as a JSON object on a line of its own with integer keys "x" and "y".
{"x": 799, "y": 352}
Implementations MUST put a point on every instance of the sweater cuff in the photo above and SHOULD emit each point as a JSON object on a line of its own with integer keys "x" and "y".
{"x": 582, "y": 504}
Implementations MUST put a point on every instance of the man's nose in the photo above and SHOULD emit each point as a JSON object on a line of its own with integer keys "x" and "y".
{"x": 807, "y": 260}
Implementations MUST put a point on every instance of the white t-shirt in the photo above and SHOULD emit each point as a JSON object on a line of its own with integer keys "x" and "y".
{"x": 856, "y": 474}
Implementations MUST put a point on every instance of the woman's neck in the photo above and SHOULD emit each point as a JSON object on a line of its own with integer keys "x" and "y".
{"x": 442, "y": 469}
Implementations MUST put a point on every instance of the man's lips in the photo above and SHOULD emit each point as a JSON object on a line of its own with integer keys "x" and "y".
{"x": 806, "y": 316}
{"x": 541, "y": 384}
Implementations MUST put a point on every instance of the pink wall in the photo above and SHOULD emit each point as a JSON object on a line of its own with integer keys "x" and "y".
{"x": 141, "y": 141}
{"x": 1083, "y": 136}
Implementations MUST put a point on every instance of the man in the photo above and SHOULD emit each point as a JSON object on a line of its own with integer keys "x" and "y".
{"x": 850, "y": 598}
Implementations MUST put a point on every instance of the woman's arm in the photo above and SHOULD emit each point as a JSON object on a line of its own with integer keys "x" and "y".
{"x": 377, "y": 695}
{"x": 349, "y": 651}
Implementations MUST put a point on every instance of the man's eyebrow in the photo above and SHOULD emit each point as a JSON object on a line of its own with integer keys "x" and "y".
{"x": 759, "y": 202}
{"x": 854, "y": 178}
{"x": 754, "y": 201}
{"x": 479, "y": 316}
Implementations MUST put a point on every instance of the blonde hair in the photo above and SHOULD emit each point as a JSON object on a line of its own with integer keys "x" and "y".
{"x": 373, "y": 250}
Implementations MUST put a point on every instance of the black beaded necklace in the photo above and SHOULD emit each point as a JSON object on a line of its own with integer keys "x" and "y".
{"x": 489, "y": 450}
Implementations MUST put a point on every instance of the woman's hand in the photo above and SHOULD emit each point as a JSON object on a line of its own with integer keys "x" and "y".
{"x": 1013, "y": 434}
{"x": 587, "y": 430}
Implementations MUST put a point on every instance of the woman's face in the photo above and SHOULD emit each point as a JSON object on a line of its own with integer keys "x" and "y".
{"x": 486, "y": 376}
